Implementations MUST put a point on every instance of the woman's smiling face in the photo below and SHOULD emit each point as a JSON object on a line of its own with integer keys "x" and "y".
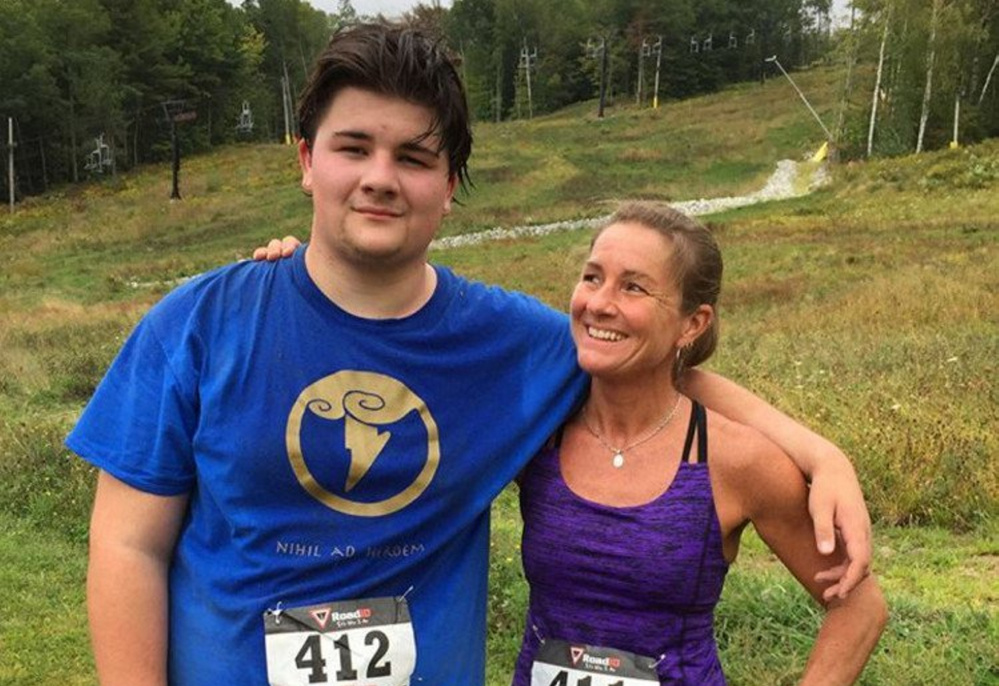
{"x": 626, "y": 308}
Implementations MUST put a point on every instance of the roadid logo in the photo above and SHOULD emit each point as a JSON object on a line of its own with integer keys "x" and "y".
{"x": 578, "y": 653}
{"x": 325, "y": 615}
{"x": 363, "y": 401}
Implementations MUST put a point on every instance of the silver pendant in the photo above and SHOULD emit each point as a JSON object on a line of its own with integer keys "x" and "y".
{"x": 618, "y": 459}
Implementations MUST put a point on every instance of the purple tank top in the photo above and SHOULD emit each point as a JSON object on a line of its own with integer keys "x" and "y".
{"x": 644, "y": 579}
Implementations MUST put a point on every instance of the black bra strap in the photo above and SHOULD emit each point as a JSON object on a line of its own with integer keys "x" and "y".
{"x": 702, "y": 434}
{"x": 691, "y": 429}
{"x": 698, "y": 425}
{"x": 555, "y": 440}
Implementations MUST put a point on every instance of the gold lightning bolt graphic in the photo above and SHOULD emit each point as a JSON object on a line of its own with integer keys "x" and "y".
{"x": 363, "y": 401}
{"x": 365, "y": 444}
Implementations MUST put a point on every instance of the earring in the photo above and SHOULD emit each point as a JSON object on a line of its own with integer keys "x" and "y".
{"x": 683, "y": 350}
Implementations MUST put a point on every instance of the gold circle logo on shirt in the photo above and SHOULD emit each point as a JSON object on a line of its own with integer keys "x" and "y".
{"x": 364, "y": 401}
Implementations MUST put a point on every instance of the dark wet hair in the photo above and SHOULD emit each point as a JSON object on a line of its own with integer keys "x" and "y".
{"x": 395, "y": 61}
{"x": 695, "y": 265}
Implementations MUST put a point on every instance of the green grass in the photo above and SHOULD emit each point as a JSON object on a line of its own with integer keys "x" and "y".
{"x": 43, "y": 633}
{"x": 866, "y": 309}
{"x": 943, "y": 627}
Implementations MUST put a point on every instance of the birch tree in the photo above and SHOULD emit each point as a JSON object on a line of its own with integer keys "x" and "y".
{"x": 924, "y": 114}
{"x": 877, "y": 83}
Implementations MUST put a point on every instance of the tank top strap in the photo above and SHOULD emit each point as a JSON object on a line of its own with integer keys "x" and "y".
{"x": 698, "y": 426}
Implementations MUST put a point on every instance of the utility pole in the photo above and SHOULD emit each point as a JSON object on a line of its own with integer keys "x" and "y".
{"x": 528, "y": 59}
{"x": 657, "y": 48}
{"x": 774, "y": 60}
{"x": 10, "y": 160}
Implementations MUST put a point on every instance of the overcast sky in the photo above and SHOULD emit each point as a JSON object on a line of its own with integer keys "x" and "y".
{"x": 392, "y": 8}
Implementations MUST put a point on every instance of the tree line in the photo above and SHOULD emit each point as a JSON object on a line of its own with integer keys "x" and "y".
{"x": 694, "y": 46}
{"x": 934, "y": 64}
{"x": 95, "y": 86}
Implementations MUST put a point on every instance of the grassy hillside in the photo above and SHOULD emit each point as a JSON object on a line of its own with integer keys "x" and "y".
{"x": 867, "y": 309}
{"x": 563, "y": 165}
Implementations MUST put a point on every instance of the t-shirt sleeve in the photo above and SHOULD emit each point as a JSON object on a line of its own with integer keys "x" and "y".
{"x": 551, "y": 354}
{"x": 140, "y": 423}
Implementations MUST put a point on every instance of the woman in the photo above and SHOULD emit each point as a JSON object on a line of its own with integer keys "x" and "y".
{"x": 633, "y": 514}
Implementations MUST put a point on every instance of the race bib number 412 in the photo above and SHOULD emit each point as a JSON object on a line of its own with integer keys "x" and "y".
{"x": 366, "y": 642}
{"x": 572, "y": 664}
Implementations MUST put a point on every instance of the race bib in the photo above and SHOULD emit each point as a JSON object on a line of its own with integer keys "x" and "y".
{"x": 573, "y": 664}
{"x": 365, "y": 642}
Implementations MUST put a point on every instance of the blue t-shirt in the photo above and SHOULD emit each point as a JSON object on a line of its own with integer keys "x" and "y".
{"x": 328, "y": 457}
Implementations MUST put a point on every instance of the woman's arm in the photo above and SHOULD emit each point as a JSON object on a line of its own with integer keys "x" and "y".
{"x": 756, "y": 480}
{"x": 132, "y": 537}
{"x": 835, "y": 500}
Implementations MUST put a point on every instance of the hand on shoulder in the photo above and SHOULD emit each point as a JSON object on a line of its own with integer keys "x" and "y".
{"x": 277, "y": 249}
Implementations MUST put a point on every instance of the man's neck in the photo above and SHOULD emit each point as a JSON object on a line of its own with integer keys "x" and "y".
{"x": 371, "y": 293}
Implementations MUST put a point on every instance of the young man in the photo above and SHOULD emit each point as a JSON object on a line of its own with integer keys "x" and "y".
{"x": 297, "y": 458}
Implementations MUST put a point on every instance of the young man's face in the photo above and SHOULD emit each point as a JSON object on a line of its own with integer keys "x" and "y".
{"x": 379, "y": 191}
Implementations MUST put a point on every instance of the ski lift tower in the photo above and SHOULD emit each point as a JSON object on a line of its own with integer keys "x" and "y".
{"x": 528, "y": 62}
{"x": 10, "y": 160}
{"x": 595, "y": 50}
{"x": 644, "y": 51}
{"x": 657, "y": 50}
{"x": 176, "y": 112}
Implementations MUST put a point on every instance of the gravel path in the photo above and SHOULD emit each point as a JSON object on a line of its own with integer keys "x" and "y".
{"x": 781, "y": 184}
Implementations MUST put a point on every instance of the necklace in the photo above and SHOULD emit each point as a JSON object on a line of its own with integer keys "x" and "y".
{"x": 618, "y": 459}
